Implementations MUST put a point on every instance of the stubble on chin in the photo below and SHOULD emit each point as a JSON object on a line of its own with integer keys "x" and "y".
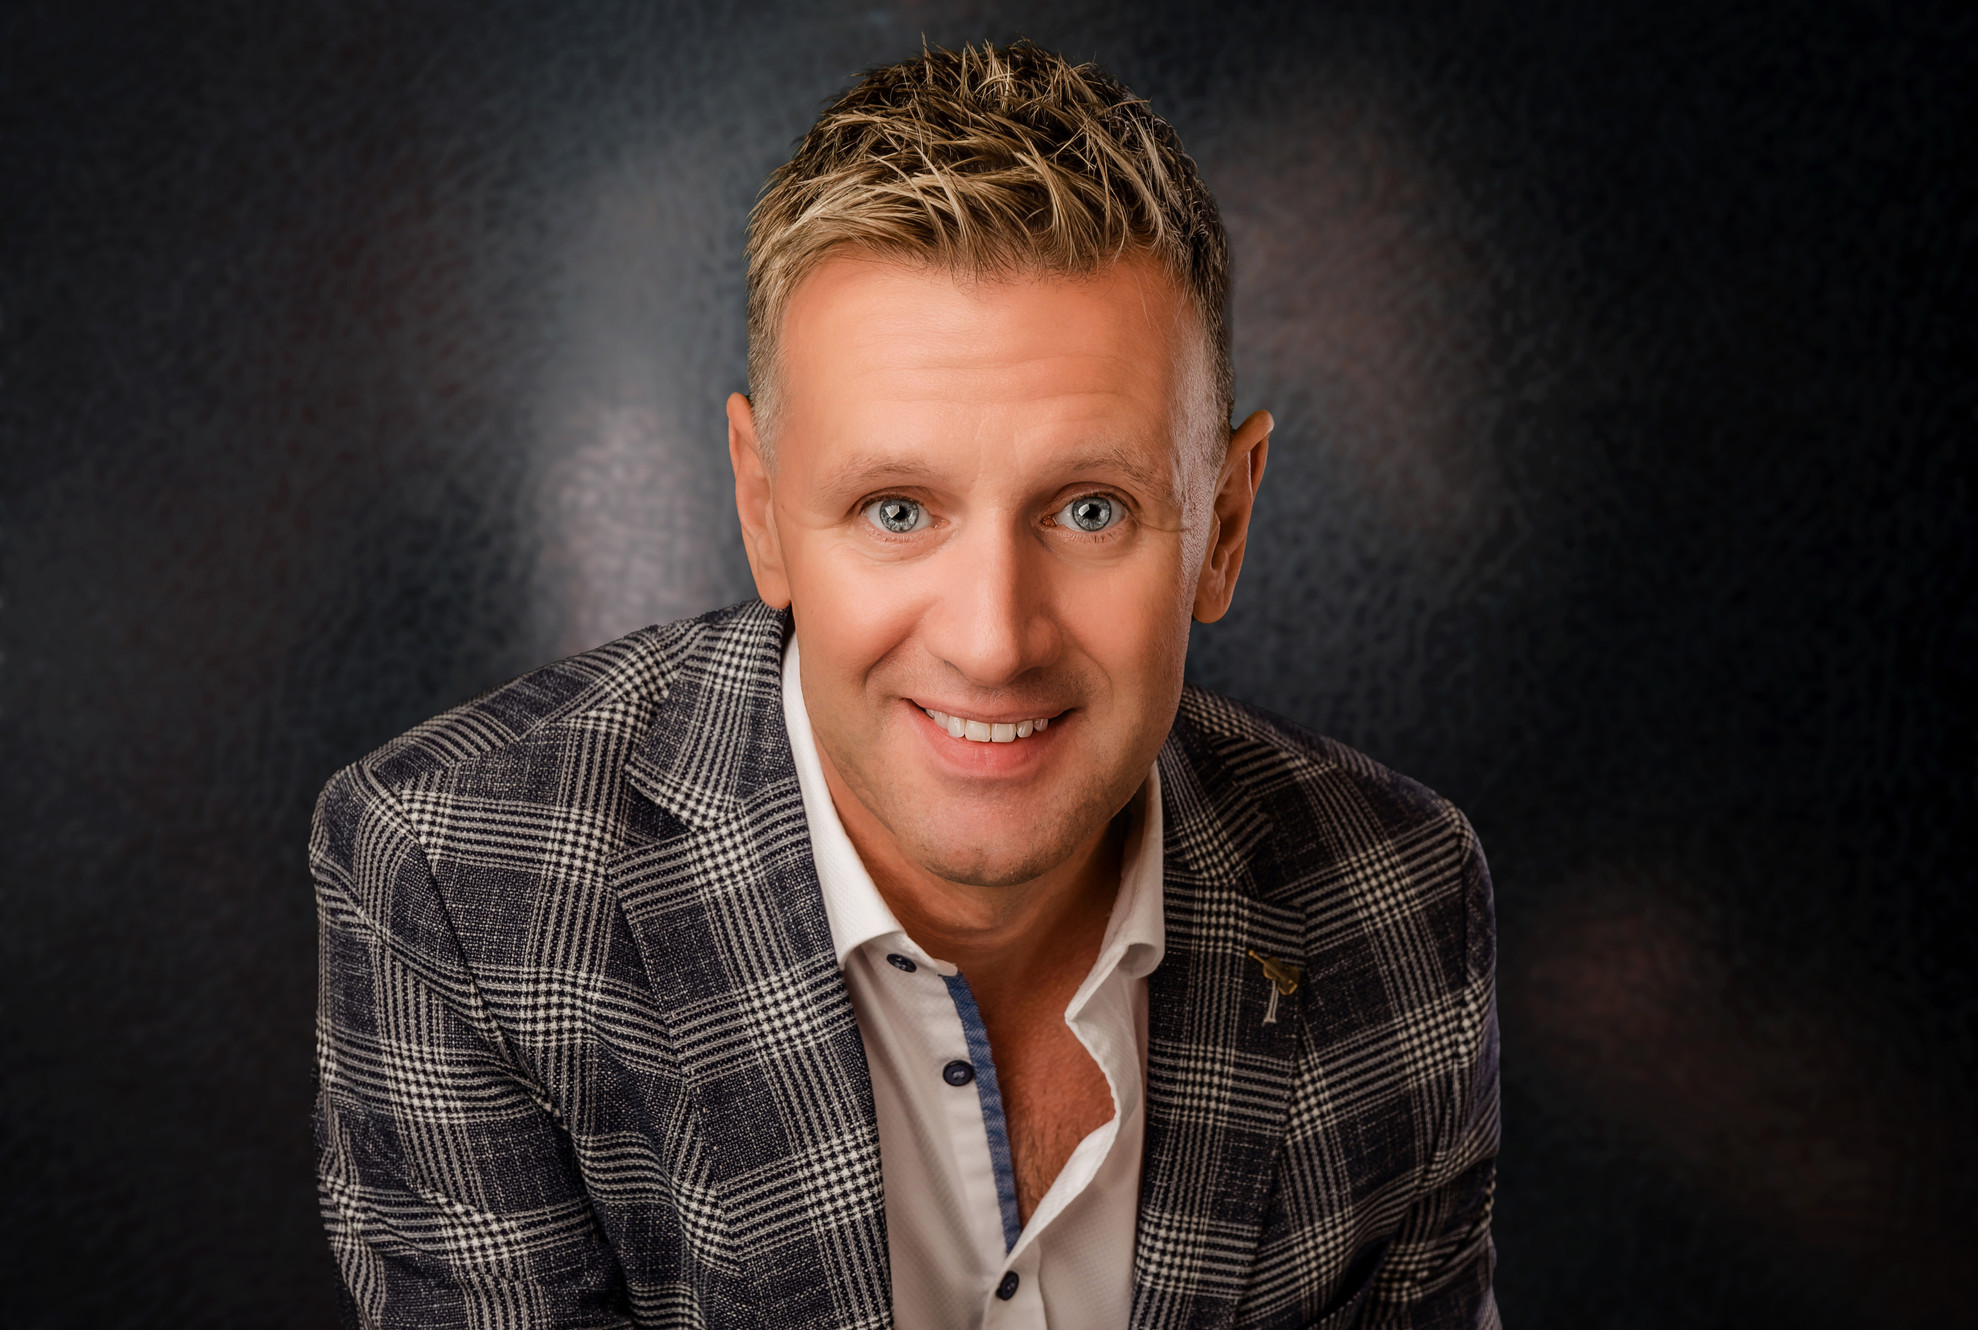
{"x": 1033, "y": 847}
{"x": 1017, "y": 839}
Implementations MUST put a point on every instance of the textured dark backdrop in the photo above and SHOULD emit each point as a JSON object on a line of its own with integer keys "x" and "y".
{"x": 355, "y": 357}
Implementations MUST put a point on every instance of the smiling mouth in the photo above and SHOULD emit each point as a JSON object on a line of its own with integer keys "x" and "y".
{"x": 986, "y": 732}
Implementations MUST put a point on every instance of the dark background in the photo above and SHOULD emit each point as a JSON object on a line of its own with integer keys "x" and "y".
{"x": 356, "y": 357}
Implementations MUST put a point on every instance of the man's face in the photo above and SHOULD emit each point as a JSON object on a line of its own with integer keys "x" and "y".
{"x": 989, "y": 501}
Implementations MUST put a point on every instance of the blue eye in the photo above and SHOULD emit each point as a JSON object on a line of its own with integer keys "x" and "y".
{"x": 896, "y": 516}
{"x": 1091, "y": 513}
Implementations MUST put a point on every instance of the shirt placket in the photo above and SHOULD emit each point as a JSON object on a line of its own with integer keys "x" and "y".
{"x": 954, "y": 1064}
{"x": 1017, "y": 1300}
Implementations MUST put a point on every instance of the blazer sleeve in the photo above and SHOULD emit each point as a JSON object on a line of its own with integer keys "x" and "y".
{"x": 449, "y": 1190}
{"x": 1439, "y": 1267}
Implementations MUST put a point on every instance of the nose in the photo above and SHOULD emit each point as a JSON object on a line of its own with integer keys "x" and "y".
{"x": 992, "y": 622}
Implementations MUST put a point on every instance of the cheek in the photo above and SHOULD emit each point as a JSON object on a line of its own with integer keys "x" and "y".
{"x": 852, "y": 614}
{"x": 1132, "y": 619}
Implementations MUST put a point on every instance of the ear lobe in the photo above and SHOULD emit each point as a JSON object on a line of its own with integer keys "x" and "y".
{"x": 1236, "y": 496}
{"x": 755, "y": 504}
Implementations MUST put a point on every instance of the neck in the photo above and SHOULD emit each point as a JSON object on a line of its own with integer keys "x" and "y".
{"x": 1003, "y": 938}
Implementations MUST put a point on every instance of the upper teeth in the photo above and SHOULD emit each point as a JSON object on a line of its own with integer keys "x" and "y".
{"x": 984, "y": 732}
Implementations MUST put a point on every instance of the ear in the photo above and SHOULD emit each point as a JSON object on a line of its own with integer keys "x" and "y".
{"x": 754, "y": 504}
{"x": 1229, "y": 529}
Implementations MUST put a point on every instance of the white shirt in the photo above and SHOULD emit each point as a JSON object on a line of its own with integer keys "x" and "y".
{"x": 951, "y": 1216}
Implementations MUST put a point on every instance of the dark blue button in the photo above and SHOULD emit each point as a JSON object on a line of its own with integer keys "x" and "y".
{"x": 958, "y": 1073}
{"x": 1007, "y": 1289}
{"x": 899, "y": 962}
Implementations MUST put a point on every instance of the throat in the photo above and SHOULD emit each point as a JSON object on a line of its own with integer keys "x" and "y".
{"x": 1054, "y": 1096}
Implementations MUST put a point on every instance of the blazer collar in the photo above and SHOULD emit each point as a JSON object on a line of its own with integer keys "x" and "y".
{"x": 718, "y": 885}
{"x": 1218, "y": 1076}
{"x": 717, "y": 734}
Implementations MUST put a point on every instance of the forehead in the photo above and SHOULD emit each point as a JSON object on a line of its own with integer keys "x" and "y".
{"x": 1119, "y": 350}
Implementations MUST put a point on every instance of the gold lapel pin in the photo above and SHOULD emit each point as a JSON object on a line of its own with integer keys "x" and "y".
{"x": 1284, "y": 980}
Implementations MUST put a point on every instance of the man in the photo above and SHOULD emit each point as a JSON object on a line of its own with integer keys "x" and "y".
{"x": 912, "y": 946}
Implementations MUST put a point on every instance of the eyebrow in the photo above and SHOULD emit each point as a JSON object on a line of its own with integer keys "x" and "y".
{"x": 1118, "y": 457}
{"x": 863, "y": 471}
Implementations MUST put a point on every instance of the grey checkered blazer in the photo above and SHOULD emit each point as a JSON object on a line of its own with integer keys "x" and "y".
{"x": 585, "y": 1057}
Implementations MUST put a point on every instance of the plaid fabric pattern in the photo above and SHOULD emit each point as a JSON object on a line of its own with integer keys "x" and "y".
{"x": 585, "y": 1057}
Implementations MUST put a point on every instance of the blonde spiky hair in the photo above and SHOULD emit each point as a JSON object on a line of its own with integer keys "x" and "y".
{"x": 988, "y": 162}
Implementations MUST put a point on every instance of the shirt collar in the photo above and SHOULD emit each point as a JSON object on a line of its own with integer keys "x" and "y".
{"x": 1135, "y": 934}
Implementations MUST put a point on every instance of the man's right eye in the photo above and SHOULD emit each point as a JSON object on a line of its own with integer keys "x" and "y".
{"x": 896, "y": 516}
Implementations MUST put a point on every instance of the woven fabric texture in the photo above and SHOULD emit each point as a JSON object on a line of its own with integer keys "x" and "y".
{"x": 585, "y": 1057}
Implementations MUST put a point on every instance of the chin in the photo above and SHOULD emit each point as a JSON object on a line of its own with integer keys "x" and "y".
{"x": 988, "y": 869}
{"x": 996, "y": 856}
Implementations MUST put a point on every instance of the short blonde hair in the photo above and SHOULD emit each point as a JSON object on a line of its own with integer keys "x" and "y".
{"x": 988, "y": 162}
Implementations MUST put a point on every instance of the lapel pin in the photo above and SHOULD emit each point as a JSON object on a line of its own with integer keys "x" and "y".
{"x": 1284, "y": 980}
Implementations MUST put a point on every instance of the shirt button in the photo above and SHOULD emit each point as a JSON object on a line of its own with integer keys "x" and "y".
{"x": 1007, "y": 1289}
{"x": 899, "y": 962}
{"x": 958, "y": 1073}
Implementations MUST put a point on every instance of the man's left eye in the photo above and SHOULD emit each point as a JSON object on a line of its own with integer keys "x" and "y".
{"x": 1092, "y": 513}
{"x": 896, "y": 516}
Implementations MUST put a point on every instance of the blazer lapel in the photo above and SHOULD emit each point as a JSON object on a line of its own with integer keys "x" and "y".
{"x": 719, "y": 887}
{"x": 1218, "y": 1075}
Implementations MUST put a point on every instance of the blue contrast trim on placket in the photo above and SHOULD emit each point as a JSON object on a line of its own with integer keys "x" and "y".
{"x": 977, "y": 1035}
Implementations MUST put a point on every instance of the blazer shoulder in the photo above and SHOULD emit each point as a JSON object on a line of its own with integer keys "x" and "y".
{"x": 1334, "y": 812}
{"x": 1268, "y": 753}
{"x": 629, "y": 676}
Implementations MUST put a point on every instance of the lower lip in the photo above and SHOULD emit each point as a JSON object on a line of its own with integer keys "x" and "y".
{"x": 994, "y": 761}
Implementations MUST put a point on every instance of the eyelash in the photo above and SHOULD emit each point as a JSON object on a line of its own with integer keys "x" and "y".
{"x": 866, "y": 506}
{"x": 1125, "y": 509}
